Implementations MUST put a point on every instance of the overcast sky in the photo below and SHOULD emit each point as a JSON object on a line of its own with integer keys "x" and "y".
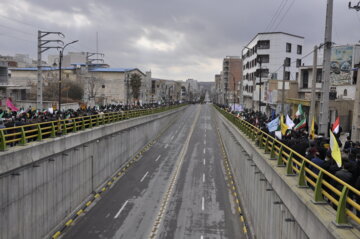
{"x": 175, "y": 39}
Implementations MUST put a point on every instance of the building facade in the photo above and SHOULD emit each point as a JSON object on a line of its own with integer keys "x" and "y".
{"x": 263, "y": 59}
{"x": 231, "y": 79}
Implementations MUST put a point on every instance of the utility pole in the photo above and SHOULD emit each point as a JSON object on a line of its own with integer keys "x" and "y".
{"x": 324, "y": 103}
{"x": 283, "y": 89}
{"x": 260, "y": 83}
{"x": 42, "y": 47}
{"x": 313, "y": 87}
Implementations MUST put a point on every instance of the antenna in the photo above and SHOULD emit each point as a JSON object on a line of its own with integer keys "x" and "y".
{"x": 97, "y": 43}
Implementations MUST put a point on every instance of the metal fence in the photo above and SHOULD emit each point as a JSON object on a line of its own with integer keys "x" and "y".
{"x": 21, "y": 135}
{"x": 327, "y": 188}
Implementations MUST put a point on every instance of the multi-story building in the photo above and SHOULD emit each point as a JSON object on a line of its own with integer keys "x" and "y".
{"x": 263, "y": 59}
{"x": 164, "y": 91}
{"x": 232, "y": 79}
{"x": 101, "y": 85}
{"x": 345, "y": 62}
{"x": 219, "y": 95}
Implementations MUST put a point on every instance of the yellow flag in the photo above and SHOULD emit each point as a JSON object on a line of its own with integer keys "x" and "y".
{"x": 335, "y": 150}
{"x": 312, "y": 129}
{"x": 283, "y": 126}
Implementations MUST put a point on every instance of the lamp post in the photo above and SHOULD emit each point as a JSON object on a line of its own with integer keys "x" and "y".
{"x": 60, "y": 61}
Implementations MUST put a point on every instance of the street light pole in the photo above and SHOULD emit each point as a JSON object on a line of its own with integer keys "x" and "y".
{"x": 60, "y": 61}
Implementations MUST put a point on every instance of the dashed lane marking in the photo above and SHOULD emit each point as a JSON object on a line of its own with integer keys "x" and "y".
{"x": 204, "y": 151}
{"x": 203, "y": 177}
{"x": 166, "y": 145}
{"x": 121, "y": 209}
{"x": 204, "y": 161}
{"x": 142, "y": 179}
{"x": 203, "y": 204}
{"x": 157, "y": 158}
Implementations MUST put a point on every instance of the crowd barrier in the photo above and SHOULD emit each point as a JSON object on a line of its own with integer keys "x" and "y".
{"x": 327, "y": 187}
{"x": 21, "y": 135}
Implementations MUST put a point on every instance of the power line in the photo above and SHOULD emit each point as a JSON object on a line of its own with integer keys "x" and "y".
{"x": 295, "y": 60}
{"x": 286, "y": 12}
{"x": 18, "y": 38}
{"x": 275, "y": 15}
{"x": 14, "y": 29}
{"x": 18, "y": 21}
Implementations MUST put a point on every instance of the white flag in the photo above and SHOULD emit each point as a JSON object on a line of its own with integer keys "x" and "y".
{"x": 289, "y": 122}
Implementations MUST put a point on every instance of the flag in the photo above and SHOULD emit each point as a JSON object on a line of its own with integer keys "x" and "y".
{"x": 284, "y": 127}
{"x": 301, "y": 124}
{"x": 312, "y": 129}
{"x": 300, "y": 111}
{"x": 278, "y": 134}
{"x": 273, "y": 125}
{"x": 336, "y": 125}
{"x": 335, "y": 150}
{"x": 289, "y": 122}
{"x": 10, "y": 105}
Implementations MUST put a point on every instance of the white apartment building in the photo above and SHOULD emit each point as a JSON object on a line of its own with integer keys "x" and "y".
{"x": 271, "y": 49}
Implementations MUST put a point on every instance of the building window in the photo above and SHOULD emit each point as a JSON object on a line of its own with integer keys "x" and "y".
{"x": 287, "y": 61}
{"x": 345, "y": 92}
{"x": 264, "y": 44}
{"x": 299, "y": 49}
{"x": 288, "y": 47}
{"x": 305, "y": 79}
{"x": 263, "y": 58}
{"x": 298, "y": 62}
{"x": 287, "y": 75}
{"x": 318, "y": 75}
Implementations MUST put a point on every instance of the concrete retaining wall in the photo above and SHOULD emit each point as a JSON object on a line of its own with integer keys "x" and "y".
{"x": 274, "y": 206}
{"x": 43, "y": 183}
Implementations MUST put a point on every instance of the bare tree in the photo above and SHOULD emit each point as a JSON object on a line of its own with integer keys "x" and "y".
{"x": 135, "y": 83}
{"x": 93, "y": 85}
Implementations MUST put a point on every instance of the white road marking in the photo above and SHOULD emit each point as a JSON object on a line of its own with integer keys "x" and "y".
{"x": 166, "y": 145}
{"x": 142, "y": 179}
{"x": 157, "y": 158}
{"x": 121, "y": 209}
{"x": 204, "y": 161}
{"x": 203, "y": 177}
{"x": 172, "y": 137}
{"x": 202, "y": 237}
{"x": 204, "y": 141}
{"x": 203, "y": 204}
{"x": 204, "y": 151}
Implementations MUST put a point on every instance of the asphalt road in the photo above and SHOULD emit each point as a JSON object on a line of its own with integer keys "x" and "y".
{"x": 177, "y": 189}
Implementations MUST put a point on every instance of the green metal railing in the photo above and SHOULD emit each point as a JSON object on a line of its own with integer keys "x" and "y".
{"x": 21, "y": 135}
{"x": 327, "y": 187}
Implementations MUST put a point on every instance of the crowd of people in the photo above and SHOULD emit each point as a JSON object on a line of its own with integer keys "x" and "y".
{"x": 315, "y": 149}
{"x": 30, "y": 115}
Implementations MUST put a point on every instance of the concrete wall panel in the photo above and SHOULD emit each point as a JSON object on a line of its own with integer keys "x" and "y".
{"x": 44, "y": 183}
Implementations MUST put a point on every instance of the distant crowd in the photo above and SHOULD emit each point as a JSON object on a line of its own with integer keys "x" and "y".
{"x": 315, "y": 148}
{"x": 11, "y": 118}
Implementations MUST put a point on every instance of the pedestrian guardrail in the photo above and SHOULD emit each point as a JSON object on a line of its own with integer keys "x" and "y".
{"x": 327, "y": 187}
{"x": 21, "y": 135}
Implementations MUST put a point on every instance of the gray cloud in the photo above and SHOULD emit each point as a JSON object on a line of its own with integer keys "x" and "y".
{"x": 175, "y": 39}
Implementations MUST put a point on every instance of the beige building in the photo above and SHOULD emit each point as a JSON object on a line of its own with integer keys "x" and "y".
{"x": 232, "y": 79}
{"x": 163, "y": 90}
{"x": 101, "y": 85}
